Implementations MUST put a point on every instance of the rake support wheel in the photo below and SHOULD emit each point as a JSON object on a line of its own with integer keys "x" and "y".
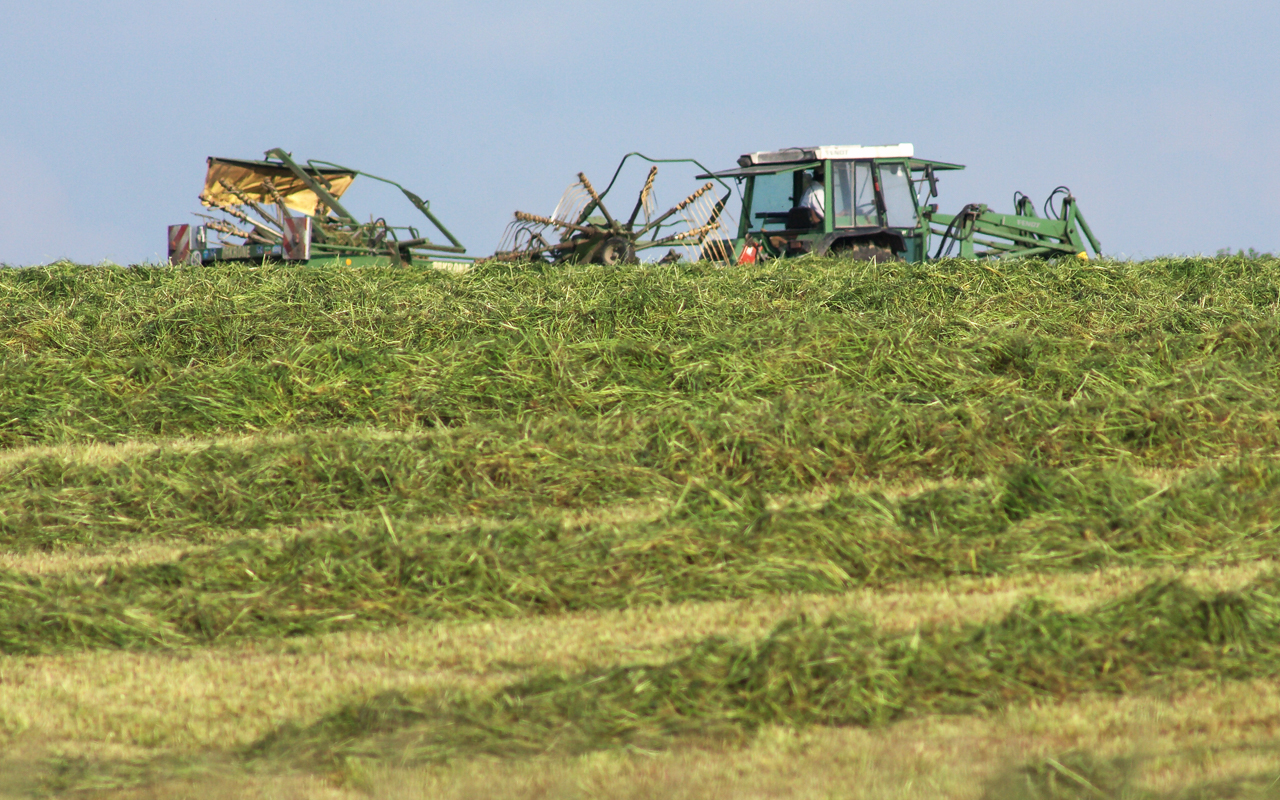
{"x": 614, "y": 251}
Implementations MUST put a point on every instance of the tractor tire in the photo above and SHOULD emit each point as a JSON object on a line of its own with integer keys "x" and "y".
{"x": 864, "y": 252}
{"x": 614, "y": 251}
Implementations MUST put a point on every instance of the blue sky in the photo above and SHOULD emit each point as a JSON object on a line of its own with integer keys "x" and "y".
{"x": 1163, "y": 118}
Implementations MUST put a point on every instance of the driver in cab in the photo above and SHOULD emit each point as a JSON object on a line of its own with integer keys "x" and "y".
{"x": 814, "y": 197}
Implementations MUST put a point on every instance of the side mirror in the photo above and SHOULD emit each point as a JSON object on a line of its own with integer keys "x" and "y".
{"x": 932, "y": 179}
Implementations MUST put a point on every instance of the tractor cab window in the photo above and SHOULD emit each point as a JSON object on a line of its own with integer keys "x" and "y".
{"x": 899, "y": 205}
{"x": 854, "y": 195}
{"x": 772, "y": 197}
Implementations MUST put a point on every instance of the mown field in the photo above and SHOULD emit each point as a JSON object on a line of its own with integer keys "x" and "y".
{"x": 809, "y": 529}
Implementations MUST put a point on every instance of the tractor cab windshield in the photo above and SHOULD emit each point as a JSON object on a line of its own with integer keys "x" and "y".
{"x": 853, "y": 195}
{"x": 776, "y": 198}
{"x": 899, "y": 201}
{"x": 854, "y": 189}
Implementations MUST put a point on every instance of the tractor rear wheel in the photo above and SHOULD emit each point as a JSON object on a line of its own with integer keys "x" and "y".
{"x": 614, "y": 251}
{"x": 864, "y": 252}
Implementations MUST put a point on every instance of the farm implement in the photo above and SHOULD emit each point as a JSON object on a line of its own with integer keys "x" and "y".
{"x": 864, "y": 203}
{"x": 581, "y": 229}
{"x": 257, "y": 201}
{"x": 869, "y": 206}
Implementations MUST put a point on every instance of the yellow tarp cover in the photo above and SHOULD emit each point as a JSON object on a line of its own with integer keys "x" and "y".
{"x": 246, "y": 177}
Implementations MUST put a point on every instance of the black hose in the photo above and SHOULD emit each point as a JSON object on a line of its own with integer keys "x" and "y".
{"x": 1048, "y": 202}
{"x": 949, "y": 233}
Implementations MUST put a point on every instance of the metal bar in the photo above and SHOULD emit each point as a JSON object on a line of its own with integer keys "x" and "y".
{"x": 259, "y": 210}
{"x": 516, "y": 255}
{"x": 718, "y": 209}
{"x": 1032, "y": 251}
{"x": 1037, "y": 225}
{"x": 1088, "y": 233}
{"x": 422, "y": 205}
{"x": 282, "y": 211}
{"x": 677, "y": 207}
{"x": 346, "y": 248}
{"x": 425, "y": 208}
{"x": 524, "y": 216}
{"x": 591, "y": 190}
{"x": 224, "y": 227}
{"x": 648, "y": 187}
{"x": 321, "y": 192}
{"x": 586, "y": 212}
{"x": 441, "y": 248}
{"x": 243, "y": 217}
{"x": 997, "y": 245}
{"x": 1022, "y": 239}
{"x": 623, "y": 162}
{"x": 682, "y": 235}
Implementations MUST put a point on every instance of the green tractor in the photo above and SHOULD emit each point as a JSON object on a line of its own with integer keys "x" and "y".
{"x": 865, "y": 203}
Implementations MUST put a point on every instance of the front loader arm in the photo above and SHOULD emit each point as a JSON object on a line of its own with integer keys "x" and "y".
{"x": 1004, "y": 235}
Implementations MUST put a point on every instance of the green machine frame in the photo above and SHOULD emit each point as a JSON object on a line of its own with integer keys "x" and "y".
{"x": 332, "y": 234}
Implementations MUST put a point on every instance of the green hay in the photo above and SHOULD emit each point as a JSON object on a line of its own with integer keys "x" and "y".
{"x": 838, "y": 672}
{"x": 213, "y": 491}
{"x": 440, "y": 426}
{"x": 718, "y": 542}
{"x": 787, "y": 372}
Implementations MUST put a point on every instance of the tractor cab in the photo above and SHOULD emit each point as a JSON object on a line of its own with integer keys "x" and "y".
{"x": 868, "y": 199}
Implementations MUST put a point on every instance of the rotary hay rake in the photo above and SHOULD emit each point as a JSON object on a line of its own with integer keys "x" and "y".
{"x": 258, "y": 200}
{"x": 581, "y": 229}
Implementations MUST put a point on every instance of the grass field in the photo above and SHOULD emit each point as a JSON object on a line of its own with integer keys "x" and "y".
{"x": 808, "y": 529}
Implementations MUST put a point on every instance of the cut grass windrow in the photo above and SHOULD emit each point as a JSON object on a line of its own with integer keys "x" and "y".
{"x": 716, "y": 542}
{"x": 838, "y": 672}
{"x": 201, "y": 491}
{"x": 209, "y": 492}
{"x": 784, "y": 371}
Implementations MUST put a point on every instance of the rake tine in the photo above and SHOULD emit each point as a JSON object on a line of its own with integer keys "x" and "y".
{"x": 259, "y": 210}
{"x": 526, "y": 217}
{"x": 595, "y": 198}
{"x": 678, "y": 207}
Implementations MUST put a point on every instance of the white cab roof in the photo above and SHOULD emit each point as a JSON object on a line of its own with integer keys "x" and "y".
{"x": 903, "y": 150}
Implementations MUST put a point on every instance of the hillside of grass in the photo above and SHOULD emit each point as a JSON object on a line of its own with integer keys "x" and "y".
{"x": 199, "y": 462}
{"x": 785, "y": 373}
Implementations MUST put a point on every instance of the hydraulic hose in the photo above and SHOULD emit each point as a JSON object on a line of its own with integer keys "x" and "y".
{"x": 949, "y": 235}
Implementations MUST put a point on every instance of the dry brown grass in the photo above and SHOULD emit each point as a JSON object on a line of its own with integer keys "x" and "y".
{"x": 229, "y": 696}
{"x": 1213, "y": 734}
{"x": 106, "y": 453}
{"x": 79, "y": 559}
